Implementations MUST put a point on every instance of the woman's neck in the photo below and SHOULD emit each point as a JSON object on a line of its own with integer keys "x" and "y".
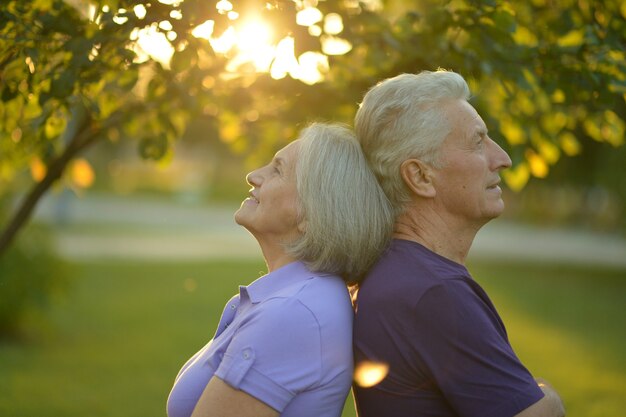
{"x": 275, "y": 255}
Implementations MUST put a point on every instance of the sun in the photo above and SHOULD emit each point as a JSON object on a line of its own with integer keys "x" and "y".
{"x": 251, "y": 44}
{"x": 254, "y": 43}
{"x": 253, "y": 34}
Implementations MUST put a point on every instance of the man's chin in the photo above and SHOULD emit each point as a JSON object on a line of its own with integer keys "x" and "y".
{"x": 496, "y": 213}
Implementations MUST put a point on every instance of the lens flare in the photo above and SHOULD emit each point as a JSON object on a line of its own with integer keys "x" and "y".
{"x": 368, "y": 373}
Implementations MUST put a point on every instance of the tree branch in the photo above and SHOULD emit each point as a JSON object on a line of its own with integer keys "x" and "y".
{"x": 85, "y": 137}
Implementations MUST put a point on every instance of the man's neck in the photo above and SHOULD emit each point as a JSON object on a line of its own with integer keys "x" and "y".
{"x": 440, "y": 235}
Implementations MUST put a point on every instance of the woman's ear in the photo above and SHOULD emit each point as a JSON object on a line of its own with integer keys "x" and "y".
{"x": 418, "y": 177}
{"x": 302, "y": 226}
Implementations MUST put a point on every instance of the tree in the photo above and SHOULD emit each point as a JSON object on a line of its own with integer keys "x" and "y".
{"x": 551, "y": 76}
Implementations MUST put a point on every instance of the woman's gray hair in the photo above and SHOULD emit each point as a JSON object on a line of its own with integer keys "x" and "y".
{"x": 402, "y": 118}
{"x": 347, "y": 218}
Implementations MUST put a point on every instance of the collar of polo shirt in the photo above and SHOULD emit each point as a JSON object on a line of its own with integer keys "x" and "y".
{"x": 283, "y": 281}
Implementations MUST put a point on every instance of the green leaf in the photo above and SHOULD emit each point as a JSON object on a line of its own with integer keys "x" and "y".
{"x": 5, "y": 18}
{"x": 128, "y": 79}
{"x": 64, "y": 22}
{"x": 8, "y": 93}
{"x": 55, "y": 125}
{"x": 44, "y": 96}
{"x": 63, "y": 86}
{"x": 618, "y": 86}
{"x": 505, "y": 21}
{"x": 78, "y": 45}
{"x": 153, "y": 148}
{"x": 183, "y": 60}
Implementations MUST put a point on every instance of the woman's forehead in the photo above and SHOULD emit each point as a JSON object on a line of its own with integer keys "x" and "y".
{"x": 288, "y": 154}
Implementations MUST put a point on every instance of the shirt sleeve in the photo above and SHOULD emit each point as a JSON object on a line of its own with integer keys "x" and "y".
{"x": 465, "y": 349}
{"x": 275, "y": 354}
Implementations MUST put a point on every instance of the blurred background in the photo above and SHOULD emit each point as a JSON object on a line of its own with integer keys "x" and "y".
{"x": 127, "y": 129}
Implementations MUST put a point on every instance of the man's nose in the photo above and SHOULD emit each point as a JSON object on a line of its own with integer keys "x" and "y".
{"x": 501, "y": 158}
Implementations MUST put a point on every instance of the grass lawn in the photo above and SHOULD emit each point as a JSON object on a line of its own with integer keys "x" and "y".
{"x": 120, "y": 337}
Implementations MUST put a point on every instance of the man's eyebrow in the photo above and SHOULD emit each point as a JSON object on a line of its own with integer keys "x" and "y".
{"x": 279, "y": 161}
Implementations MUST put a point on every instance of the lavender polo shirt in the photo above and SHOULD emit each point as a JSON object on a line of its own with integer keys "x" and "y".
{"x": 286, "y": 339}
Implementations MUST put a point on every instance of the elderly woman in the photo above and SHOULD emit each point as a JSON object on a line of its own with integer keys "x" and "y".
{"x": 283, "y": 346}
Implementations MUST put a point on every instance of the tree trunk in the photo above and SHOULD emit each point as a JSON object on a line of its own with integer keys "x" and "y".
{"x": 80, "y": 134}
{"x": 81, "y": 140}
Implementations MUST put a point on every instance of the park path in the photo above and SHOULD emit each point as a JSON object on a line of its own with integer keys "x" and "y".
{"x": 99, "y": 226}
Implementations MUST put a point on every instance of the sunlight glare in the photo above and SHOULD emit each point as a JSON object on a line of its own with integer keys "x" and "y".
{"x": 315, "y": 30}
{"x": 308, "y": 16}
{"x": 313, "y": 66}
{"x": 165, "y": 25}
{"x": 254, "y": 42}
{"x": 226, "y": 42}
{"x": 92, "y": 12}
{"x": 253, "y": 35}
{"x": 204, "y": 30}
{"x": 333, "y": 24}
{"x": 151, "y": 42}
{"x": 367, "y": 374}
{"x": 140, "y": 11}
{"x": 285, "y": 62}
{"x": 251, "y": 46}
{"x": 332, "y": 45}
{"x": 224, "y": 6}
{"x": 134, "y": 34}
{"x": 120, "y": 20}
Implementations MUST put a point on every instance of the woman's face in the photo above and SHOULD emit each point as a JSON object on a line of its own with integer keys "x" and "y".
{"x": 271, "y": 211}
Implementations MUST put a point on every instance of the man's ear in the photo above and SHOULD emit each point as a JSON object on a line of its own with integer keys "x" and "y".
{"x": 418, "y": 177}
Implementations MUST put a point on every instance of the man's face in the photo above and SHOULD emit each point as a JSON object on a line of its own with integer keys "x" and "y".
{"x": 466, "y": 180}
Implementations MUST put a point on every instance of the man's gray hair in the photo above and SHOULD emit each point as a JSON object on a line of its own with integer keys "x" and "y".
{"x": 402, "y": 118}
{"x": 347, "y": 218}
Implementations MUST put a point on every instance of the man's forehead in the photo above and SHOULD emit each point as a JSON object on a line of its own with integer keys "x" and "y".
{"x": 463, "y": 114}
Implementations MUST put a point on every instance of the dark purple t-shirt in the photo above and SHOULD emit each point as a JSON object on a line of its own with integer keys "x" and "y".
{"x": 445, "y": 344}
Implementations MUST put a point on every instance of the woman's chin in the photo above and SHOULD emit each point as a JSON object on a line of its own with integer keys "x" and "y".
{"x": 239, "y": 218}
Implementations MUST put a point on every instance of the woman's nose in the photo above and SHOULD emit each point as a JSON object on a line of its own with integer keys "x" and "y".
{"x": 253, "y": 178}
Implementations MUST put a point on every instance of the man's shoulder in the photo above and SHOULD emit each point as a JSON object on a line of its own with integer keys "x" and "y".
{"x": 408, "y": 266}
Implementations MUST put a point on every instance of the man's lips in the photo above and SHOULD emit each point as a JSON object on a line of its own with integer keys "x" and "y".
{"x": 494, "y": 185}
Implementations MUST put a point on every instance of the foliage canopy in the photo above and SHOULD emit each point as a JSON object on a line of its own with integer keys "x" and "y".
{"x": 549, "y": 76}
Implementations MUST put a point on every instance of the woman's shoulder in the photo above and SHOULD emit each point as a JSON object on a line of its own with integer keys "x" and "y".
{"x": 320, "y": 299}
{"x": 325, "y": 291}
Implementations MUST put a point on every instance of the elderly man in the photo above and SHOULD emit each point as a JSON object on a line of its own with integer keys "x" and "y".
{"x": 419, "y": 311}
